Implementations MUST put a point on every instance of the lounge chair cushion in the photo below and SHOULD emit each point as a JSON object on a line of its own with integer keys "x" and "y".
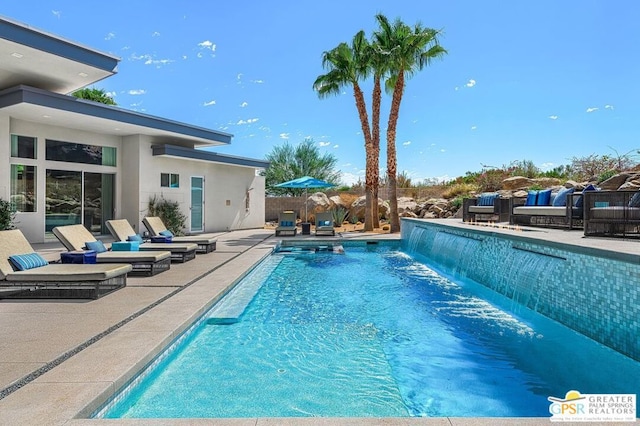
{"x": 487, "y": 199}
{"x": 544, "y": 198}
{"x": 532, "y": 197}
{"x": 580, "y": 200}
{"x": 135, "y": 237}
{"x": 23, "y": 262}
{"x": 561, "y": 197}
{"x": 166, "y": 233}
{"x": 97, "y": 246}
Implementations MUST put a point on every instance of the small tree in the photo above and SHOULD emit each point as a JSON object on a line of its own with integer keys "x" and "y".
{"x": 169, "y": 212}
{"x": 7, "y": 215}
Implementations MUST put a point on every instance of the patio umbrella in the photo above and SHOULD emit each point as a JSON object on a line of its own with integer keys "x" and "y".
{"x": 305, "y": 183}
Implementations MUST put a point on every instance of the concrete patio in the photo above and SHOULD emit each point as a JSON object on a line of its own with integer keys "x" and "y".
{"x": 59, "y": 359}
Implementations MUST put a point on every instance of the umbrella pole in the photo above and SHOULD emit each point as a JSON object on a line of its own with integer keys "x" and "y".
{"x": 305, "y": 206}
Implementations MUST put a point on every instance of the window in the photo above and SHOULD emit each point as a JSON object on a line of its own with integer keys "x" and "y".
{"x": 80, "y": 153}
{"x": 23, "y": 187}
{"x": 23, "y": 146}
{"x": 169, "y": 180}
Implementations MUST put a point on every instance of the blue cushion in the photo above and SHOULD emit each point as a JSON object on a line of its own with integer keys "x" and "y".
{"x": 544, "y": 198}
{"x": 166, "y": 233}
{"x": 487, "y": 198}
{"x": 580, "y": 201}
{"x": 136, "y": 237}
{"x": 325, "y": 223}
{"x": 561, "y": 197}
{"x": 98, "y": 246}
{"x": 635, "y": 200}
{"x": 532, "y": 196}
{"x": 22, "y": 262}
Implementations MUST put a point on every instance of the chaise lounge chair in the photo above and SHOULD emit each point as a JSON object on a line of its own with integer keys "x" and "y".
{"x": 180, "y": 252}
{"x": 75, "y": 237}
{"x": 206, "y": 242}
{"x": 286, "y": 223}
{"x": 39, "y": 279}
{"x": 324, "y": 224}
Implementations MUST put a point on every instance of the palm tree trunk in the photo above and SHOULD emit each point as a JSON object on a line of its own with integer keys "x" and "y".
{"x": 364, "y": 122}
{"x": 375, "y": 142}
{"x": 392, "y": 166}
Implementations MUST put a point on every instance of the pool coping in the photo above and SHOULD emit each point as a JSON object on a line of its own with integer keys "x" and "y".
{"x": 69, "y": 392}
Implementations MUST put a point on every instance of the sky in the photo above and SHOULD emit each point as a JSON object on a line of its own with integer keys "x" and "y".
{"x": 543, "y": 81}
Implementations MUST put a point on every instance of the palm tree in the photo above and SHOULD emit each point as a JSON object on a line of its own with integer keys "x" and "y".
{"x": 347, "y": 65}
{"x": 408, "y": 51}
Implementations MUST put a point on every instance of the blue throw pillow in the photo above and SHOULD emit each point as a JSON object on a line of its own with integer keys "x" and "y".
{"x": 166, "y": 233}
{"x": 97, "y": 246}
{"x": 532, "y": 197}
{"x": 136, "y": 237}
{"x": 22, "y": 262}
{"x": 635, "y": 200}
{"x": 487, "y": 198}
{"x": 561, "y": 197}
{"x": 544, "y": 198}
{"x": 580, "y": 201}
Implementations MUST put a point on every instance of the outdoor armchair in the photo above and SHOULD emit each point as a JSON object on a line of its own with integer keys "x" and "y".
{"x": 206, "y": 242}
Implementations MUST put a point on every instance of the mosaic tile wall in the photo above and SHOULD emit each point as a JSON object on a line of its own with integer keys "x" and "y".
{"x": 596, "y": 296}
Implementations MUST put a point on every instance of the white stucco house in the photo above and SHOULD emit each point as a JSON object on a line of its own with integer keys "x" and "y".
{"x": 65, "y": 160}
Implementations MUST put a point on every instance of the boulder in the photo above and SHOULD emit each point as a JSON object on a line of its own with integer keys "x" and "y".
{"x": 340, "y": 202}
{"x": 517, "y": 182}
{"x": 547, "y": 182}
{"x": 316, "y": 203}
{"x": 614, "y": 182}
{"x": 630, "y": 185}
{"x": 357, "y": 208}
{"x": 406, "y": 204}
{"x": 519, "y": 194}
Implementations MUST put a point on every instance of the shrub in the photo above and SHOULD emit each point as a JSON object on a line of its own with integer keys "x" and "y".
{"x": 458, "y": 189}
{"x": 7, "y": 214}
{"x": 457, "y": 202}
{"x": 169, "y": 212}
{"x": 491, "y": 180}
{"x": 339, "y": 215}
{"x": 606, "y": 175}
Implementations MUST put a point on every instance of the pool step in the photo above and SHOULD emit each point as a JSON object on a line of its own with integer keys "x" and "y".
{"x": 231, "y": 307}
{"x": 298, "y": 249}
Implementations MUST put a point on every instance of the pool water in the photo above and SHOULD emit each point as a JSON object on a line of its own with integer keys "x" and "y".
{"x": 372, "y": 333}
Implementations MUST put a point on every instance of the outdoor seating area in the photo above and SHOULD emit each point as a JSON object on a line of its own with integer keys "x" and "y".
{"x": 488, "y": 207}
{"x": 544, "y": 208}
{"x": 26, "y": 274}
{"x": 156, "y": 227}
{"x": 612, "y": 213}
{"x": 324, "y": 224}
{"x": 78, "y": 239}
{"x": 122, "y": 231}
{"x": 286, "y": 224}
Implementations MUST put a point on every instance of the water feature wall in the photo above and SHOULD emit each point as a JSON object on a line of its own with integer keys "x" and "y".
{"x": 598, "y": 296}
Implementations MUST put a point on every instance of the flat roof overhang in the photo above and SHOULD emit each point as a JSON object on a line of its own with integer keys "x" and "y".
{"x": 208, "y": 156}
{"x": 39, "y": 59}
{"x": 41, "y": 106}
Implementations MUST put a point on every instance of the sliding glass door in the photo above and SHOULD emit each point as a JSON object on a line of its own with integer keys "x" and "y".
{"x": 79, "y": 197}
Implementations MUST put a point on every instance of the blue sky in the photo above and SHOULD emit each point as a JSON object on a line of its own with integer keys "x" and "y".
{"x": 538, "y": 80}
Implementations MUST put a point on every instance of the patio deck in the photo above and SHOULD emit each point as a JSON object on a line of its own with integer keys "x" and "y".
{"x": 57, "y": 356}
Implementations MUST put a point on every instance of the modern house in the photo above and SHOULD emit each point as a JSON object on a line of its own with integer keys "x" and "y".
{"x": 66, "y": 160}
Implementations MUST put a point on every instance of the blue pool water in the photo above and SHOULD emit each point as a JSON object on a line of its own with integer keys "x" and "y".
{"x": 371, "y": 332}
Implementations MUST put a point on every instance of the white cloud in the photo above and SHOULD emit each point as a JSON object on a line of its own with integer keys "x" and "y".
{"x": 239, "y": 76}
{"x": 56, "y": 13}
{"x": 257, "y": 81}
{"x": 111, "y": 94}
{"x": 158, "y": 62}
{"x": 207, "y": 45}
{"x": 457, "y": 88}
{"x": 155, "y": 34}
{"x": 284, "y": 135}
{"x": 443, "y": 150}
{"x": 248, "y": 121}
{"x": 346, "y": 165}
{"x": 244, "y": 104}
{"x": 407, "y": 143}
{"x": 592, "y": 109}
{"x": 351, "y": 178}
{"x": 137, "y": 92}
{"x": 184, "y": 56}
{"x": 211, "y": 102}
{"x": 324, "y": 143}
{"x": 608, "y": 106}
{"x": 109, "y": 36}
{"x": 199, "y": 55}
{"x": 336, "y": 146}
{"x": 471, "y": 83}
{"x": 553, "y": 117}
{"x": 474, "y": 127}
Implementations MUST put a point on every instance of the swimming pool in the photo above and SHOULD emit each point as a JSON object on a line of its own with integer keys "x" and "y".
{"x": 371, "y": 332}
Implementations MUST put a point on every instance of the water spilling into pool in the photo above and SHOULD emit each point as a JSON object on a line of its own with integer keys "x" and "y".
{"x": 374, "y": 333}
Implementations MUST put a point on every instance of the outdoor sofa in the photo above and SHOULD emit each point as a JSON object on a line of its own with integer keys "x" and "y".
{"x": 486, "y": 207}
{"x": 206, "y": 242}
{"x": 544, "y": 208}
{"x": 612, "y": 213}
{"x": 25, "y": 274}
{"x": 324, "y": 224}
{"x": 76, "y": 237}
{"x": 122, "y": 231}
